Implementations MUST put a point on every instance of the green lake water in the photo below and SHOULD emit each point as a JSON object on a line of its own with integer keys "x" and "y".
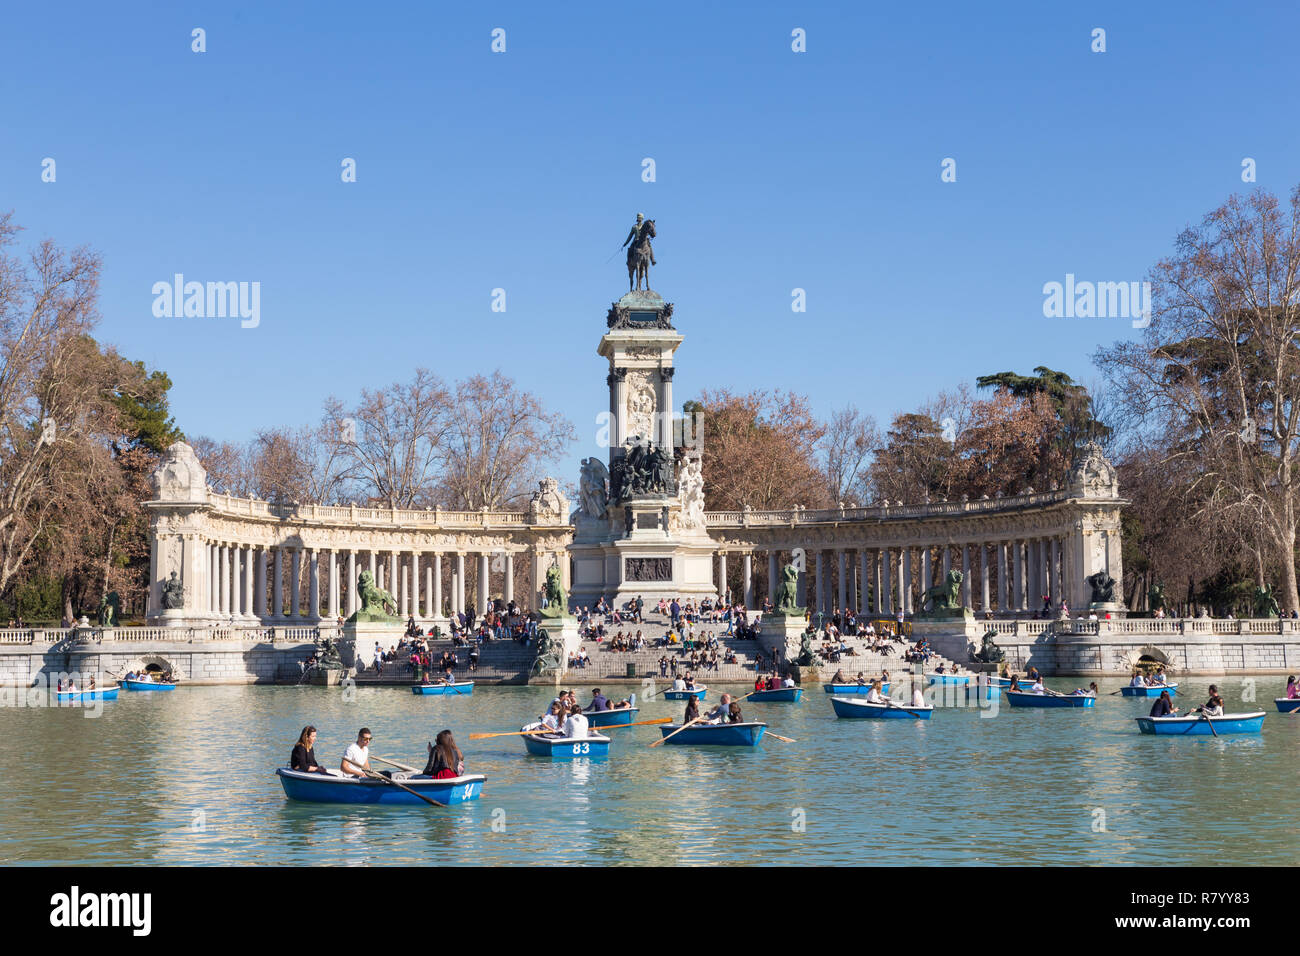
{"x": 188, "y": 778}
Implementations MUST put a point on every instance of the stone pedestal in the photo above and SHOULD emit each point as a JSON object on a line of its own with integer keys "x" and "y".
{"x": 357, "y": 646}
{"x": 563, "y": 631}
{"x": 955, "y": 638}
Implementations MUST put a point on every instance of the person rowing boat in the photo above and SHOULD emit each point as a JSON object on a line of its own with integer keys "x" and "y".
{"x": 720, "y": 714}
{"x": 1214, "y": 706}
{"x": 875, "y": 696}
{"x": 1037, "y": 686}
{"x": 1090, "y": 692}
{"x": 356, "y": 759}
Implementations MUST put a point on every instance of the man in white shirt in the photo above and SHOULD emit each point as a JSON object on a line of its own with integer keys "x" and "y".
{"x": 788, "y": 682}
{"x": 1036, "y": 687}
{"x": 356, "y": 759}
{"x": 679, "y": 684}
{"x": 575, "y": 725}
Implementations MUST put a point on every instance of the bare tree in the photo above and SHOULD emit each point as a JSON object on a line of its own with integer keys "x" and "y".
{"x": 499, "y": 444}
{"x": 847, "y": 448}
{"x": 1215, "y": 377}
{"x": 393, "y": 442}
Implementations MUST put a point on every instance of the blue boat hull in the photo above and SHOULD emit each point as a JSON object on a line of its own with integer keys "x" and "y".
{"x": 949, "y": 678}
{"x": 1019, "y": 699}
{"x": 842, "y": 689}
{"x": 1251, "y": 723}
{"x": 699, "y": 694}
{"x": 320, "y": 788}
{"x": 1150, "y": 691}
{"x": 610, "y": 718}
{"x": 716, "y": 735}
{"x": 108, "y": 694}
{"x": 442, "y": 690}
{"x": 782, "y": 695}
{"x": 861, "y": 709}
{"x": 567, "y": 748}
{"x": 1286, "y": 705}
{"x": 146, "y": 685}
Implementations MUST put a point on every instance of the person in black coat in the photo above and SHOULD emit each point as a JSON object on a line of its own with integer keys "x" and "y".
{"x": 304, "y": 753}
{"x": 1164, "y": 706}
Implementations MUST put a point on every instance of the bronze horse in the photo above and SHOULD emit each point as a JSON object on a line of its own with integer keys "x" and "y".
{"x": 640, "y": 257}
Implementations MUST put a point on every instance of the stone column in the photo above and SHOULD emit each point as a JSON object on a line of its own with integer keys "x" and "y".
{"x": 415, "y": 584}
{"x": 459, "y": 599}
{"x": 722, "y": 575}
{"x": 863, "y": 605}
{"x": 885, "y": 593}
{"x": 748, "y": 595}
{"x": 334, "y": 584}
{"x": 295, "y": 585}
{"x": 965, "y": 575}
{"x": 223, "y": 582}
{"x": 905, "y": 582}
{"x": 392, "y": 585}
{"x": 843, "y": 592}
{"x": 484, "y": 571}
{"x": 508, "y": 593}
{"x": 259, "y": 586}
{"x": 1056, "y": 572}
{"x": 927, "y": 571}
{"x": 249, "y": 574}
{"x": 984, "y": 577}
{"x": 666, "y": 409}
{"x": 313, "y": 584}
{"x": 214, "y": 581}
{"x": 352, "y": 582}
{"x": 436, "y": 589}
{"x": 819, "y": 594}
{"x": 1019, "y": 576}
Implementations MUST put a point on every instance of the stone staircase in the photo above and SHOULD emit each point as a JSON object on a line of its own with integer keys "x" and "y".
{"x": 499, "y": 662}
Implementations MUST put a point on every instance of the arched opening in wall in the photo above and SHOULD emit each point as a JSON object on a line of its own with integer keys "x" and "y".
{"x": 1148, "y": 659}
{"x": 158, "y": 667}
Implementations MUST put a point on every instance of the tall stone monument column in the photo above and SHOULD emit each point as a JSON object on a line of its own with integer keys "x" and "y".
{"x": 639, "y": 529}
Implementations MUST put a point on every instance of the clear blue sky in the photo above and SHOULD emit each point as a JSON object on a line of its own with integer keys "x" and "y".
{"x": 522, "y": 170}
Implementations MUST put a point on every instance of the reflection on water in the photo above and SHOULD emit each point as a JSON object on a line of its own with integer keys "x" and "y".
{"x": 187, "y": 778}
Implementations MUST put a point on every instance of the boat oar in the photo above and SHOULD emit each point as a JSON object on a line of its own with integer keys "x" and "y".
{"x": 394, "y": 763}
{"x": 517, "y": 733}
{"x": 789, "y": 740}
{"x": 677, "y": 731}
{"x": 1206, "y": 718}
{"x": 890, "y": 704}
{"x": 635, "y": 723}
{"x": 392, "y": 782}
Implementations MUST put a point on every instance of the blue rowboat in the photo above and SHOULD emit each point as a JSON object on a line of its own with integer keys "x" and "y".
{"x": 847, "y": 707}
{"x": 698, "y": 693}
{"x": 107, "y": 693}
{"x": 442, "y": 690}
{"x": 1151, "y": 691}
{"x": 1287, "y": 705}
{"x": 1006, "y": 681}
{"x": 854, "y": 688}
{"x": 949, "y": 678}
{"x": 326, "y": 788}
{"x": 146, "y": 685}
{"x": 1198, "y": 724}
{"x": 610, "y": 718}
{"x": 1021, "y": 699}
{"x": 567, "y": 748}
{"x": 781, "y": 695}
{"x": 987, "y": 692}
{"x": 720, "y": 735}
